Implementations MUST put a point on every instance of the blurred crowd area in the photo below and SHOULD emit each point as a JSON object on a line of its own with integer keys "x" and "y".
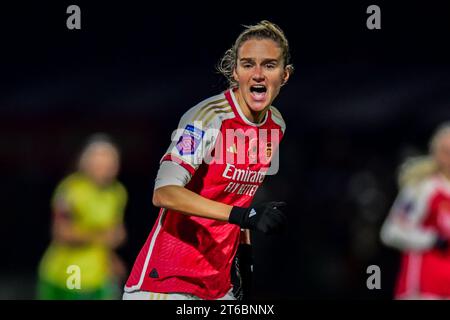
{"x": 356, "y": 107}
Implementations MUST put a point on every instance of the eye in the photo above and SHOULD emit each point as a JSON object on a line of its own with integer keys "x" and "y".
{"x": 270, "y": 66}
{"x": 247, "y": 65}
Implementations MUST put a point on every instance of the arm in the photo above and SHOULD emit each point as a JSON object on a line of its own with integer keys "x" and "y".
{"x": 177, "y": 167}
{"x": 185, "y": 201}
{"x": 402, "y": 237}
{"x": 63, "y": 230}
{"x": 170, "y": 193}
{"x": 402, "y": 229}
{"x": 245, "y": 237}
{"x": 242, "y": 268}
{"x": 112, "y": 238}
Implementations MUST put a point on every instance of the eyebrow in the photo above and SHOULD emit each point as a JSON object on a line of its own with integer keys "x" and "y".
{"x": 268, "y": 60}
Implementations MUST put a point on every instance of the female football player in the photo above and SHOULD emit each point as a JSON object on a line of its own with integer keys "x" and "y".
{"x": 88, "y": 208}
{"x": 419, "y": 223}
{"x": 207, "y": 179}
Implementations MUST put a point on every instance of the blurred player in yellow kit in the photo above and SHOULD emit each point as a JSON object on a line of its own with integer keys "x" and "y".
{"x": 87, "y": 225}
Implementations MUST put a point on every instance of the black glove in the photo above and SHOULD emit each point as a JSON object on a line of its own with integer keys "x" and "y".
{"x": 242, "y": 272}
{"x": 266, "y": 217}
{"x": 441, "y": 244}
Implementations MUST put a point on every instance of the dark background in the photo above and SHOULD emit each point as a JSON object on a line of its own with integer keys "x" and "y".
{"x": 359, "y": 102}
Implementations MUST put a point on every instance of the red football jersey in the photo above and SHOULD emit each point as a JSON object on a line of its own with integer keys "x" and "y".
{"x": 425, "y": 273}
{"x": 228, "y": 157}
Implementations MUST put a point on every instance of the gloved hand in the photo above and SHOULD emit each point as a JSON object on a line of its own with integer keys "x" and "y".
{"x": 266, "y": 217}
{"x": 242, "y": 272}
{"x": 441, "y": 244}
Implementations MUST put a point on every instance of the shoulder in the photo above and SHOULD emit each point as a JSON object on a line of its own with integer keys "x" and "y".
{"x": 277, "y": 117}
{"x": 438, "y": 184}
{"x": 69, "y": 182}
{"x": 67, "y": 189}
{"x": 429, "y": 184}
{"x": 422, "y": 190}
{"x": 209, "y": 112}
{"x": 120, "y": 190}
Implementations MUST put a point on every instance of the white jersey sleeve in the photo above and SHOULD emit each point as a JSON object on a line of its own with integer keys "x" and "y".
{"x": 403, "y": 228}
{"x": 193, "y": 141}
{"x": 171, "y": 174}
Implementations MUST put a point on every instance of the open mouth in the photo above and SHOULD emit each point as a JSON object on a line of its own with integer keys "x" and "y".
{"x": 258, "y": 92}
{"x": 259, "y": 88}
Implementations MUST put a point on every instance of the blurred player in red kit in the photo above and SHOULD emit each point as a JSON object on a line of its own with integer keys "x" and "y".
{"x": 221, "y": 152}
{"x": 419, "y": 223}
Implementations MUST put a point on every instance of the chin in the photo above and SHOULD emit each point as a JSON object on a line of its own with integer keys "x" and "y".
{"x": 258, "y": 107}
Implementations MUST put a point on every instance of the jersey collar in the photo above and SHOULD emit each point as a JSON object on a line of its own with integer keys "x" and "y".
{"x": 229, "y": 94}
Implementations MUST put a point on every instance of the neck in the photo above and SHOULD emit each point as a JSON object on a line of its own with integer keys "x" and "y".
{"x": 258, "y": 117}
{"x": 446, "y": 174}
{"x": 100, "y": 182}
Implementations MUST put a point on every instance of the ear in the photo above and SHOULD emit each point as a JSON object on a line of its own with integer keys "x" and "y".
{"x": 235, "y": 75}
{"x": 286, "y": 74}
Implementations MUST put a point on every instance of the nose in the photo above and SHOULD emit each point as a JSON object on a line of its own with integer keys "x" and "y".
{"x": 258, "y": 75}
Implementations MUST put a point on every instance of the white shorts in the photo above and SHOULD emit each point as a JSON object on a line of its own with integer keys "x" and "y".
{"x": 147, "y": 295}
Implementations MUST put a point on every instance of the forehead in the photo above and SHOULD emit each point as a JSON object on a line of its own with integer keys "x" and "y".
{"x": 259, "y": 49}
{"x": 101, "y": 149}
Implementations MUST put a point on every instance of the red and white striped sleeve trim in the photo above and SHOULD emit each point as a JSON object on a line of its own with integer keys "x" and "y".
{"x": 181, "y": 162}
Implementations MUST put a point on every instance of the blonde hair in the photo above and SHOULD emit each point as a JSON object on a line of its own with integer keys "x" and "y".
{"x": 416, "y": 169}
{"x": 262, "y": 30}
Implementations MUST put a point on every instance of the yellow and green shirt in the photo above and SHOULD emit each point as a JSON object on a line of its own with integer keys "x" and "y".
{"x": 92, "y": 209}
